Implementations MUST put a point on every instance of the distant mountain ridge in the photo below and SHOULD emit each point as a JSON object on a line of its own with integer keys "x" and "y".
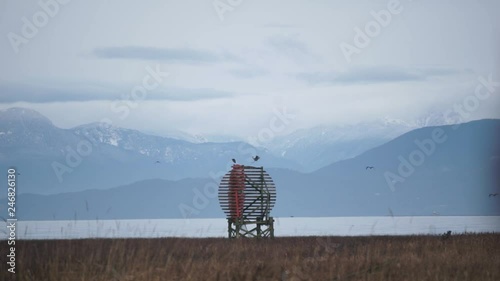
{"x": 320, "y": 146}
{"x": 98, "y": 155}
{"x": 56, "y": 159}
{"x": 454, "y": 178}
{"x": 316, "y": 147}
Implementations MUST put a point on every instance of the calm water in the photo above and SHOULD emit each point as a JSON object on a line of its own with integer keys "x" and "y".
{"x": 349, "y": 226}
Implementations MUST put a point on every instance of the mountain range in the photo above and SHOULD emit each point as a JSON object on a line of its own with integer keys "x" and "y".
{"x": 320, "y": 146}
{"x": 438, "y": 170}
{"x": 98, "y": 155}
{"x": 314, "y": 148}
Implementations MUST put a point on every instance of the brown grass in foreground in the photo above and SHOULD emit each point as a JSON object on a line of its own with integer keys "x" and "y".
{"x": 461, "y": 257}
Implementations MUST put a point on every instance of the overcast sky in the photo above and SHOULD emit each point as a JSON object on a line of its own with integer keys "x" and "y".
{"x": 229, "y": 70}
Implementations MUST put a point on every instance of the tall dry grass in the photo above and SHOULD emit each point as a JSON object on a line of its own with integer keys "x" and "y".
{"x": 461, "y": 257}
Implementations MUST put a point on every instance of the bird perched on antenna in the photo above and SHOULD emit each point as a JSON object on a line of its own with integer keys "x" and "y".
{"x": 369, "y": 167}
{"x": 256, "y": 158}
{"x": 234, "y": 161}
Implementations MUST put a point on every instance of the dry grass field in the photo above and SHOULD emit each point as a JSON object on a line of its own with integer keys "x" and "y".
{"x": 461, "y": 257}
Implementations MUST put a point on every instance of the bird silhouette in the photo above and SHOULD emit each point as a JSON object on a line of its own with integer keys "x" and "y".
{"x": 493, "y": 194}
{"x": 256, "y": 158}
{"x": 369, "y": 167}
{"x": 157, "y": 162}
{"x": 234, "y": 161}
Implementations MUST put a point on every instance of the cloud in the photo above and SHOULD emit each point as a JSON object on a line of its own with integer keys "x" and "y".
{"x": 289, "y": 44}
{"x": 247, "y": 73}
{"x": 25, "y": 93}
{"x": 190, "y": 94}
{"x": 374, "y": 75}
{"x": 278, "y": 25}
{"x": 43, "y": 94}
{"x": 186, "y": 55}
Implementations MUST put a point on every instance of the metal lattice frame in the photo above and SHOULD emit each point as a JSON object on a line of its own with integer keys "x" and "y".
{"x": 247, "y": 194}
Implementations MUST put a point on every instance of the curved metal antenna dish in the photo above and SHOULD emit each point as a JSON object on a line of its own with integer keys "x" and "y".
{"x": 247, "y": 195}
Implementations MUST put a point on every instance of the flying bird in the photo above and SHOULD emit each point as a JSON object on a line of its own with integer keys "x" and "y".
{"x": 493, "y": 194}
{"x": 369, "y": 167}
{"x": 234, "y": 161}
{"x": 256, "y": 158}
{"x": 157, "y": 162}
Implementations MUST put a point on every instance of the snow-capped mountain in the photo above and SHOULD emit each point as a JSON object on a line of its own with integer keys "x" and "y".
{"x": 320, "y": 146}
{"x": 160, "y": 148}
{"x": 98, "y": 155}
{"x": 317, "y": 147}
{"x": 436, "y": 118}
{"x": 29, "y": 130}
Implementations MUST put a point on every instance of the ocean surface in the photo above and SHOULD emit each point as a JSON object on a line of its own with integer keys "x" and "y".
{"x": 341, "y": 226}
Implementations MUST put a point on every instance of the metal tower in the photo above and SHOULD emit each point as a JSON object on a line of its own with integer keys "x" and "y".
{"x": 247, "y": 194}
